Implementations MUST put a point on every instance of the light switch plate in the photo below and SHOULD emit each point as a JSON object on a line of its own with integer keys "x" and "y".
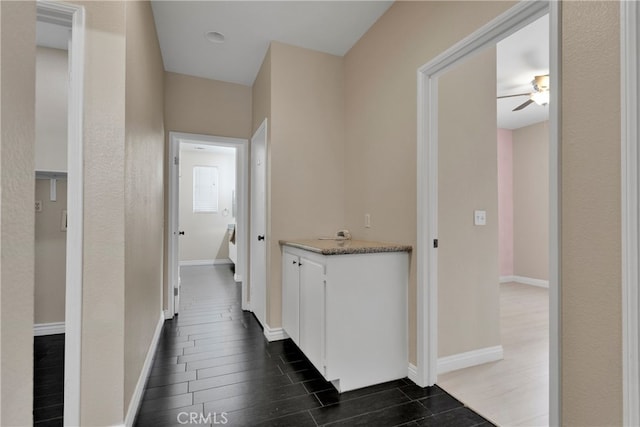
{"x": 480, "y": 217}
{"x": 38, "y": 205}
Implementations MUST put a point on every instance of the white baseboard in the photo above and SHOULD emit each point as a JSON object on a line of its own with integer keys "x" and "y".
{"x": 525, "y": 281}
{"x": 274, "y": 334}
{"x": 40, "y": 329}
{"x": 168, "y": 314}
{"x": 470, "y": 358}
{"x": 196, "y": 262}
{"x": 134, "y": 403}
{"x": 412, "y": 373}
{"x": 237, "y": 277}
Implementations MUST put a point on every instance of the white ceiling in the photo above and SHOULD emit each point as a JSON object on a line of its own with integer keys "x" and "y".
{"x": 521, "y": 57}
{"x": 249, "y": 26}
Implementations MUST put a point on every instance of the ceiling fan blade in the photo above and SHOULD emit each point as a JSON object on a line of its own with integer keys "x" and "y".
{"x": 511, "y": 96}
{"x": 524, "y": 104}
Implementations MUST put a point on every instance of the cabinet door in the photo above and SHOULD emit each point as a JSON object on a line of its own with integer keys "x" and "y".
{"x": 312, "y": 312}
{"x": 291, "y": 296}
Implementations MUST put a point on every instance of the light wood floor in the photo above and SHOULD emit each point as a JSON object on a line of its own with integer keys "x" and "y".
{"x": 515, "y": 390}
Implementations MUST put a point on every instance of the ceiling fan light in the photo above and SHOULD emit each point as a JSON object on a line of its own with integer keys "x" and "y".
{"x": 540, "y": 98}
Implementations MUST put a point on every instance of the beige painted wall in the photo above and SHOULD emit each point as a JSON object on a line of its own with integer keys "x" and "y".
{"x": 261, "y": 95}
{"x": 202, "y": 106}
{"x": 206, "y": 234}
{"x": 17, "y": 140}
{"x": 380, "y": 106}
{"x": 209, "y": 107}
{"x": 103, "y": 293}
{"x": 531, "y": 201}
{"x": 468, "y": 277}
{"x": 591, "y": 246}
{"x": 50, "y": 253}
{"x": 144, "y": 202}
{"x": 305, "y": 155}
{"x": 51, "y": 109}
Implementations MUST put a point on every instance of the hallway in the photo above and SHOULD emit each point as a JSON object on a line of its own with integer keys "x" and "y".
{"x": 214, "y": 366}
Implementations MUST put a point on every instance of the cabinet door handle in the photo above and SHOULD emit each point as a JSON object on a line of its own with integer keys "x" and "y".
{"x": 294, "y": 262}
{"x": 261, "y": 237}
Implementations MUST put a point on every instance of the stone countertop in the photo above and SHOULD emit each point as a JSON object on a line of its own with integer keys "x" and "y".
{"x": 345, "y": 247}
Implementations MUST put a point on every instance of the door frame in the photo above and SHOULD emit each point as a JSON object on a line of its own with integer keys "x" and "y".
{"x": 247, "y": 303}
{"x": 630, "y": 185}
{"x": 520, "y": 15}
{"x": 242, "y": 201}
{"x": 72, "y": 16}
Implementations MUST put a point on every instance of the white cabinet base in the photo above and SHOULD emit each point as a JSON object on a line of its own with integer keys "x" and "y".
{"x": 353, "y": 319}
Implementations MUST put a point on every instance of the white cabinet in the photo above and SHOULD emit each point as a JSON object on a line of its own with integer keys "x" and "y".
{"x": 291, "y": 296}
{"x": 348, "y": 314}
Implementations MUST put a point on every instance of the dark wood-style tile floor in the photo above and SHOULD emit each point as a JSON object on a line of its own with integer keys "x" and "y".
{"x": 48, "y": 380}
{"x": 213, "y": 366}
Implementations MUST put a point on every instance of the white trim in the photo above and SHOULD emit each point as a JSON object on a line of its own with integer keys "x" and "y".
{"x": 470, "y": 358}
{"x": 196, "y": 262}
{"x": 630, "y": 127}
{"x": 517, "y": 17}
{"x": 555, "y": 207}
{"x": 136, "y": 398}
{"x": 242, "y": 191}
{"x": 274, "y": 334}
{"x": 412, "y": 373}
{"x": 41, "y": 329}
{"x": 525, "y": 281}
{"x": 167, "y": 314}
{"x": 74, "y": 16}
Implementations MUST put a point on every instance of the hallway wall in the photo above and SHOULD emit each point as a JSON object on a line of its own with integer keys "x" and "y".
{"x": 17, "y": 141}
{"x": 144, "y": 198}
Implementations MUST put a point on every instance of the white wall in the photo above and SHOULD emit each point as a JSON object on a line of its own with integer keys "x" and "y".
{"x": 51, "y": 109}
{"x": 206, "y": 237}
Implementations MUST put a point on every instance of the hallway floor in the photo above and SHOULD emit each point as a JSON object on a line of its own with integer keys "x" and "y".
{"x": 214, "y": 366}
{"x": 48, "y": 380}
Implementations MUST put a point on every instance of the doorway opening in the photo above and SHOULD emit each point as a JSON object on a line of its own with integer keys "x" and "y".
{"x": 430, "y": 180}
{"x": 207, "y": 207}
{"x": 509, "y": 383}
{"x": 58, "y": 205}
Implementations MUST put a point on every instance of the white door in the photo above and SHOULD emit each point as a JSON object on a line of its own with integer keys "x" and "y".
{"x": 174, "y": 251}
{"x": 257, "y": 236}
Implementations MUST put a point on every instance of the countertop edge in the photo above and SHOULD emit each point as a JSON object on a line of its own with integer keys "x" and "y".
{"x": 376, "y": 247}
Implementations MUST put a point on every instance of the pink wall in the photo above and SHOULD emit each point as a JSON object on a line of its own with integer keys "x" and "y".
{"x": 505, "y": 201}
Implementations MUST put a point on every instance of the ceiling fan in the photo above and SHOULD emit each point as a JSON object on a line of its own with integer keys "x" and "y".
{"x": 540, "y": 94}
